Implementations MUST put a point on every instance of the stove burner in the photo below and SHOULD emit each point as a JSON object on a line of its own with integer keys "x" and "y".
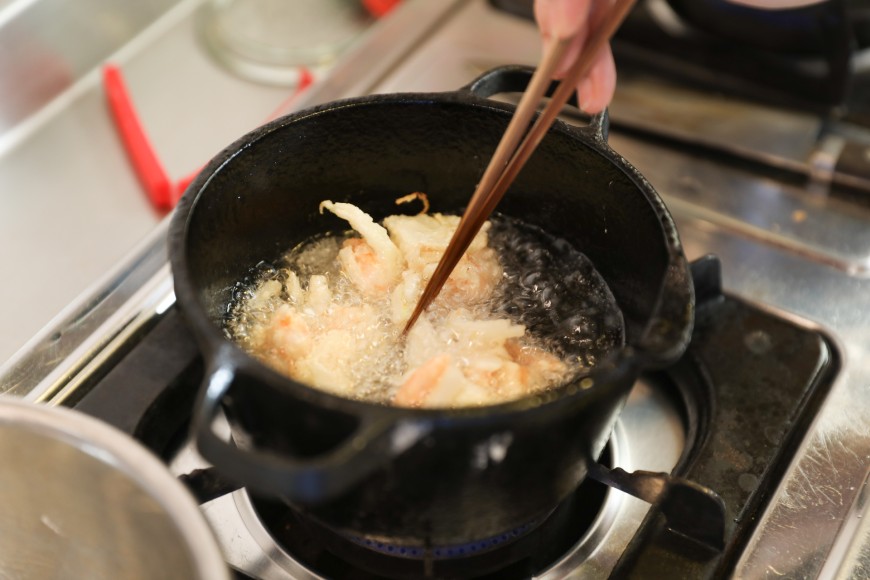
{"x": 448, "y": 552}
{"x": 519, "y": 553}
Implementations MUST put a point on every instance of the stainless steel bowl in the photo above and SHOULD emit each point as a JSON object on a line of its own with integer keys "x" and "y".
{"x": 80, "y": 499}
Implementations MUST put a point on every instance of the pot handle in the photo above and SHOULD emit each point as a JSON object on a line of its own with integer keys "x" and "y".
{"x": 515, "y": 78}
{"x": 377, "y": 439}
{"x": 670, "y": 330}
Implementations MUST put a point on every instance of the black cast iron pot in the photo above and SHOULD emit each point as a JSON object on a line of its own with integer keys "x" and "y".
{"x": 419, "y": 477}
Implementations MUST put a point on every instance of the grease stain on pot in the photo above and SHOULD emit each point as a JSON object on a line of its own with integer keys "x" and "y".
{"x": 758, "y": 342}
{"x": 492, "y": 451}
{"x": 747, "y": 482}
{"x": 773, "y": 434}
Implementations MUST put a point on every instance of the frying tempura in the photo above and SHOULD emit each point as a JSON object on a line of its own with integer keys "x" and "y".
{"x": 341, "y": 332}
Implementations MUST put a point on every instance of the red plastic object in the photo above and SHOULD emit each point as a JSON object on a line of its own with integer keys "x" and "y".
{"x": 160, "y": 190}
{"x": 145, "y": 162}
{"x": 379, "y": 8}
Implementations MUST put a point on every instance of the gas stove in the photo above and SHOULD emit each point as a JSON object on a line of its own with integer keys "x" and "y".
{"x": 711, "y": 419}
{"x": 770, "y": 408}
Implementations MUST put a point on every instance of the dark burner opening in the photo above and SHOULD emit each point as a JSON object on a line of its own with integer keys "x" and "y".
{"x": 516, "y": 554}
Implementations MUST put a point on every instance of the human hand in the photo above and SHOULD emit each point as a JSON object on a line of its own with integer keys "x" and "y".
{"x": 560, "y": 19}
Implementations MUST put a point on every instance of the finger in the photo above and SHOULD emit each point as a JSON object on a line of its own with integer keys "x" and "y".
{"x": 570, "y": 56}
{"x": 595, "y": 91}
{"x": 559, "y": 19}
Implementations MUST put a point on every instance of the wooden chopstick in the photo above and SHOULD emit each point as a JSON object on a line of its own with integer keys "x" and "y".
{"x": 511, "y": 154}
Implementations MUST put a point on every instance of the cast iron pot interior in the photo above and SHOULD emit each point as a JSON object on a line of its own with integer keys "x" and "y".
{"x": 419, "y": 475}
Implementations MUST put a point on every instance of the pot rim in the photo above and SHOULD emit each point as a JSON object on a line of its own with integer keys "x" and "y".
{"x": 221, "y": 352}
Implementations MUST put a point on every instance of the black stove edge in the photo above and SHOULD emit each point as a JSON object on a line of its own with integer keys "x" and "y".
{"x": 730, "y": 412}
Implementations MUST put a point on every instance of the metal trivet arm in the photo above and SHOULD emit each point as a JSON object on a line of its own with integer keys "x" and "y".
{"x": 691, "y": 510}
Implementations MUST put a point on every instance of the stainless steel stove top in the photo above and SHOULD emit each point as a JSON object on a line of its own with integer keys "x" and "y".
{"x": 785, "y": 244}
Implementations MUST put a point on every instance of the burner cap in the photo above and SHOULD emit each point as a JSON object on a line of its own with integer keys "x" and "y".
{"x": 455, "y": 551}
